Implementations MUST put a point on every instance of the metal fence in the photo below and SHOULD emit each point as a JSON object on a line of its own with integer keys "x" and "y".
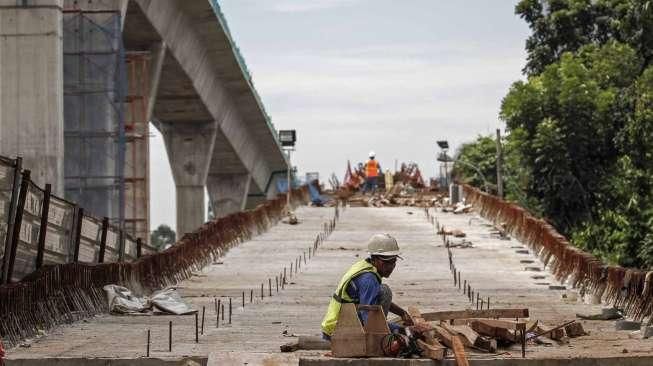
{"x": 72, "y": 290}
{"x": 38, "y": 228}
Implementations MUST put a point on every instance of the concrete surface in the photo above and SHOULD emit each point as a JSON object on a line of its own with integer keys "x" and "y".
{"x": 423, "y": 279}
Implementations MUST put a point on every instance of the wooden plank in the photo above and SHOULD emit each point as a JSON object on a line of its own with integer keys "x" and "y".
{"x": 555, "y": 334}
{"x": 466, "y": 314}
{"x": 459, "y": 351}
{"x": 416, "y": 318}
{"x": 507, "y": 324}
{"x": 431, "y": 351}
{"x": 485, "y": 329}
{"x": 472, "y": 339}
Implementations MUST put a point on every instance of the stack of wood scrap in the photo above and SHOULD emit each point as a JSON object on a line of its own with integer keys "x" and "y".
{"x": 480, "y": 330}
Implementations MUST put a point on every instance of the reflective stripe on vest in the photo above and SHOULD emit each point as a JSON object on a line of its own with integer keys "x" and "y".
{"x": 371, "y": 168}
{"x": 341, "y": 296}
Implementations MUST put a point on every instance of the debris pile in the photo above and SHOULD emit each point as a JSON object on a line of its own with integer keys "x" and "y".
{"x": 434, "y": 334}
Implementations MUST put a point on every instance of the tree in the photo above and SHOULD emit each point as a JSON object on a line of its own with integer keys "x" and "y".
{"x": 580, "y": 126}
{"x": 162, "y": 237}
{"x": 560, "y": 26}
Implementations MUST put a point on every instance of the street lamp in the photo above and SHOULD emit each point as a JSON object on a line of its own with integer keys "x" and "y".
{"x": 444, "y": 146}
{"x": 288, "y": 139}
{"x": 443, "y": 157}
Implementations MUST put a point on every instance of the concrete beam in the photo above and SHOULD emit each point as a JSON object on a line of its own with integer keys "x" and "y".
{"x": 198, "y": 54}
{"x": 189, "y": 148}
{"x": 157, "y": 55}
{"x": 228, "y": 192}
{"x": 31, "y": 97}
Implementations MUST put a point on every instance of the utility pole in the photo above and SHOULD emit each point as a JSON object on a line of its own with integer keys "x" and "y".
{"x": 499, "y": 160}
{"x": 289, "y": 184}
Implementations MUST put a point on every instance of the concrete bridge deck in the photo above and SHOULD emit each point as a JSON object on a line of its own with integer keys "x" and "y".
{"x": 423, "y": 279}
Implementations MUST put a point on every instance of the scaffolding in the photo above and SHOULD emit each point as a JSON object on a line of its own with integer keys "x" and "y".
{"x": 94, "y": 96}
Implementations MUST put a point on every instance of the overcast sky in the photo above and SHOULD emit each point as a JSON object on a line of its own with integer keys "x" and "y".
{"x": 358, "y": 75}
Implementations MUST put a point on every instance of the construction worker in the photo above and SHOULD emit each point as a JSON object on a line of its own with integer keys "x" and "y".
{"x": 372, "y": 169}
{"x": 361, "y": 284}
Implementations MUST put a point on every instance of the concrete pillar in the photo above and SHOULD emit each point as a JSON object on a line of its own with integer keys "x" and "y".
{"x": 31, "y": 92}
{"x": 189, "y": 147}
{"x": 228, "y": 192}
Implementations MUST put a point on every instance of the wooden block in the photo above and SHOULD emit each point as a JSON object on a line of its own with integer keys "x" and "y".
{"x": 556, "y": 334}
{"x": 466, "y": 314}
{"x": 431, "y": 351}
{"x": 574, "y": 330}
{"x": 485, "y": 329}
{"x": 472, "y": 339}
{"x": 443, "y": 335}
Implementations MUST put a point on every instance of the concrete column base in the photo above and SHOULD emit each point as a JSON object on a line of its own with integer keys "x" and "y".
{"x": 190, "y": 147}
{"x": 190, "y": 209}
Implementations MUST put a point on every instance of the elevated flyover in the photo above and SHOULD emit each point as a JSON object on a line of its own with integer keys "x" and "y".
{"x": 80, "y": 122}
{"x": 216, "y": 131}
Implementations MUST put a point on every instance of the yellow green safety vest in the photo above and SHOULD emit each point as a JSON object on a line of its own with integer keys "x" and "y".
{"x": 341, "y": 296}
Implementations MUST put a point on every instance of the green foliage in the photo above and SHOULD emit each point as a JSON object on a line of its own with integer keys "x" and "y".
{"x": 561, "y": 26}
{"x": 162, "y": 237}
{"x": 476, "y": 163}
{"x": 579, "y": 148}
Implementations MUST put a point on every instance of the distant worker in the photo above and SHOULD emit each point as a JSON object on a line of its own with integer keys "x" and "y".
{"x": 372, "y": 171}
{"x": 361, "y": 285}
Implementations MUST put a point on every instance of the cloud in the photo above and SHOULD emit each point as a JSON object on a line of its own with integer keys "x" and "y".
{"x": 300, "y": 6}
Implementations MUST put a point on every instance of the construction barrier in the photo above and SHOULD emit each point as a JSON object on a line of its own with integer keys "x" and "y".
{"x": 626, "y": 288}
{"x": 56, "y": 258}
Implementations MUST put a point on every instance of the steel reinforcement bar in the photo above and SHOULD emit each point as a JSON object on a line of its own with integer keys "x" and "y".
{"x": 626, "y": 288}
{"x": 65, "y": 293}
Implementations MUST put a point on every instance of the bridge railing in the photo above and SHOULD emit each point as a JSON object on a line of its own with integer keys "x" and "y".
{"x": 629, "y": 289}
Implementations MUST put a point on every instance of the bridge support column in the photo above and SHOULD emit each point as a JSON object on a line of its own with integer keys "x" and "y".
{"x": 189, "y": 148}
{"x": 228, "y": 192}
{"x": 31, "y": 93}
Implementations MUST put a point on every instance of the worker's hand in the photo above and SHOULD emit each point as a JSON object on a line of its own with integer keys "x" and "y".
{"x": 406, "y": 318}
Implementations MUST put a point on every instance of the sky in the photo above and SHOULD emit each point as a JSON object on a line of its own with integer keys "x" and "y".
{"x": 354, "y": 76}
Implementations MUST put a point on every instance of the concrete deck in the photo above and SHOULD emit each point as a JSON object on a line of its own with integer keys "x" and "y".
{"x": 423, "y": 279}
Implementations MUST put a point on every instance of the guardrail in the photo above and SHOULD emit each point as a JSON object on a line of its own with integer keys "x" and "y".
{"x": 626, "y": 288}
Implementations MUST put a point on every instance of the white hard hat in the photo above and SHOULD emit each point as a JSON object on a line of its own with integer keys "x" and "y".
{"x": 383, "y": 245}
{"x": 372, "y": 154}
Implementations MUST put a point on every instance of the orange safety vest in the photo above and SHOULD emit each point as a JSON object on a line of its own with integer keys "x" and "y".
{"x": 371, "y": 168}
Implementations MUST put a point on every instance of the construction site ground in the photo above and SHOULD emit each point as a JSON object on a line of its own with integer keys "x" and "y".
{"x": 493, "y": 267}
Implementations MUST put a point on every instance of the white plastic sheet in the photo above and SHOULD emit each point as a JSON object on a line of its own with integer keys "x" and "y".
{"x": 122, "y": 301}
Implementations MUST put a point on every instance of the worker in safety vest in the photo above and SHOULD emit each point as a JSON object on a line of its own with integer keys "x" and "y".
{"x": 361, "y": 284}
{"x": 372, "y": 171}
